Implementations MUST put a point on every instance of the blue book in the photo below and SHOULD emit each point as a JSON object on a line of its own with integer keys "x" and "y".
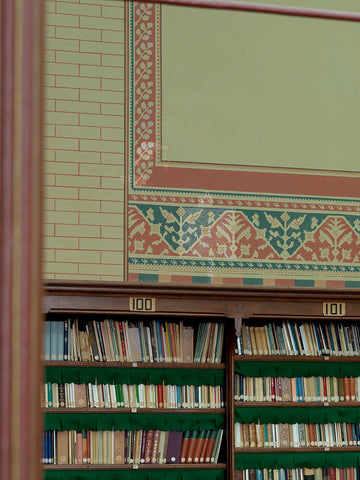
{"x": 53, "y": 340}
{"x": 178, "y": 396}
{"x": 159, "y": 342}
{"x": 60, "y": 340}
{"x": 47, "y": 348}
{"x": 318, "y": 344}
{"x": 266, "y": 437}
{"x": 281, "y": 340}
{"x": 259, "y": 474}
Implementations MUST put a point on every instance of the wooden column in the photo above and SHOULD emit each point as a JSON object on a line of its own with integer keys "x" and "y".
{"x": 20, "y": 212}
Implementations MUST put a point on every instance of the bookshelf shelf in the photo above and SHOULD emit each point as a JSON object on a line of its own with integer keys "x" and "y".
{"x": 295, "y": 358}
{"x": 182, "y": 366}
{"x": 178, "y": 466}
{"x": 296, "y": 404}
{"x": 297, "y": 449}
{"x": 123, "y": 410}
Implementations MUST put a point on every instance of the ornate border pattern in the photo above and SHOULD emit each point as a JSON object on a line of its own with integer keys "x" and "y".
{"x": 179, "y": 226}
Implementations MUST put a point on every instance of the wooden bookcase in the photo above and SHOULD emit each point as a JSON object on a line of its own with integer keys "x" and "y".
{"x": 196, "y": 303}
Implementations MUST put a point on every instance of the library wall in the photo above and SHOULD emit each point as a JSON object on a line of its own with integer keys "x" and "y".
{"x": 216, "y": 197}
{"x": 84, "y": 139}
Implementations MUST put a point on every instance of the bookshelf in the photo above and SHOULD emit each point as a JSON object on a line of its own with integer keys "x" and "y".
{"x": 256, "y": 306}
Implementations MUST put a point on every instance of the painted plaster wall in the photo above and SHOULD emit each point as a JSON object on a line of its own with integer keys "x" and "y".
{"x": 84, "y": 140}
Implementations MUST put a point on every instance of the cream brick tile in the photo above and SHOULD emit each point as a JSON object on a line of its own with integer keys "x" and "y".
{"x": 78, "y": 33}
{"x": 49, "y": 7}
{"x": 47, "y": 255}
{"x": 114, "y": 278}
{"x": 99, "y": 244}
{"x": 114, "y": 258}
{"x": 49, "y": 155}
{"x": 48, "y": 180}
{"x": 112, "y": 232}
{"x": 78, "y": 231}
{"x": 109, "y": 219}
{"x": 101, "y": 96}
{"x": 61, "y": 118}
{"x": 61, "y": 143}
{"x": 77, "y": 181}
{"x": 113, "y": 182}
{"x": 48, "y": 230}
{"x": 62, "y": 93}
{"x": 113, "y": 109}
{"x": 60, "y": 192}
{"x": 112, "y": 134}
{"x": 78, "y": 58}
{"x": 77, "y": 107}
{"x": 101, "y": 170}
{"x": 49, "y": 130}
{"x": 61, "y": 167}
{"x": 65, "y": 218}
{"x": 113, "y": 12}
{"x": 78, "y": 256}
{"x": 60, "y": 69}
{"x": 112, "y": 60}
{"x": 77, "y": 132}
{"x": 79, "y": 157}
{"x": 112, "y": 36}
{"x": 102, "y": 47}
{"x": 112, "y": 207}
{"x": 100, "y": 269}
{"x": 60, "y": 276}
{"x": 48, "y": 104}
{"x": 102, "y": 23}
{"x": 77, "y": 82}
{"x": 101, "y": 146}
{"x": 49, "y": 32}
{"x": 48, "y": 276}
{"x": 99, "y": 194}
{"x": 110, "y": 3}
{"x": 112, "y": 159}
{"x": 113, "y": 85}
{"x": 61, "y": 242}
{"x": 62, "y": 20}
{"x": 62, "y": 44}
{"x": 100, "y": 120}
{"x": 88, "y": 10}
{"x": 104, "y": 72}
{"x": 54, "y": 267}
{"x": 48, "y": 56}
{"x": 48, "y": 206}
{"x": 78, "y": 205}
{"x": 49, "y": 80}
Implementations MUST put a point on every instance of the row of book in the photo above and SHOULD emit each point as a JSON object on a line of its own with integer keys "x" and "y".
{"x": 295, "y": 338}
{"x": 296, "y": 389}
{"x": 126, "y": 341}
{"x": 284, "y": 435}
{"x": 89, "y": 395}
{"x": 331, "y": 473}
{"x": 119, "y": 447}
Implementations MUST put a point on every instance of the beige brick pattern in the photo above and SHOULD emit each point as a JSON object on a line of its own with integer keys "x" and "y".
{"x": 84, "y": 140}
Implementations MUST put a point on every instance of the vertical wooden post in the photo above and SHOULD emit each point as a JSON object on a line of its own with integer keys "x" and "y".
{"x": 20, "y": 238}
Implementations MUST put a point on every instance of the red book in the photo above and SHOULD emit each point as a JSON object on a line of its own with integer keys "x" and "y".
{"x": 143, "y": 445}
{"x": 204, "y": 446}
{"x": 352, "y": 389}
{"x": 184, "y": 446}
{"x": 149, "y": 446}
{"x": 273, "y": 389}
{"x": 312, "y": 435}
{"x": 122, "y": 337}
{"x": 191, "y": 448}
{"x": 326, "y": 398}
{"x": 332, "y": 473}
{"x": 347, "y": 389}
{"x": 199, "y": 446}
{"x": 210, "y": 446}
{"x": 160, "y": 396}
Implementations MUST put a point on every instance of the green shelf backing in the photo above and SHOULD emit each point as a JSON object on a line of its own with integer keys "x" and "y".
{"x": 131, "y": 375}
{"x": 173, "y": 474}
{"x": 297, "y": 459}
{"x": 138, "y": 421}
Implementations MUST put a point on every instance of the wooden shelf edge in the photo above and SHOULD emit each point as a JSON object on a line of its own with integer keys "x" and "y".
{"x": 178, "y": 466}
{"x": 127, "y": 410}
{"x": 294, "y": 358}
{"x": 296, "y": 404}
{"x": 296, "y": 450}
{"x": 139, "y": 365}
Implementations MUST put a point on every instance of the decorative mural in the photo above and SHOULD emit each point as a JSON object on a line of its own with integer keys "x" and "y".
{"x": 191, "y": 223}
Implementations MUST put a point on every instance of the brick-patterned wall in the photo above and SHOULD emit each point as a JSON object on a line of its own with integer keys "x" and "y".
{"x": 84, "y": 140}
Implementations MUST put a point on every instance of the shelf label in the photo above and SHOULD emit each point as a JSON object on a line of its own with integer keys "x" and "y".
{"x": 141, "y": 304}
{"x": 333, "y": 309}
